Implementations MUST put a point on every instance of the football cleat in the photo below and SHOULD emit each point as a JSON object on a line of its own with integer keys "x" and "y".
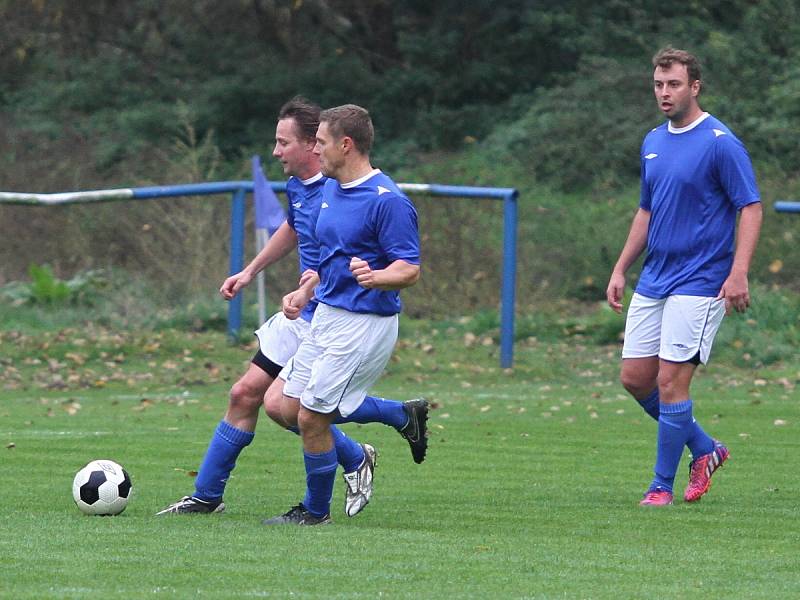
{"x": 416, "y": 430}
{"x": 190, "y": 504}
{"x": 656, "y": 497}
{"x": 358, "y": 490}
{"x": 701, "y": 469}
{"x": 298, "y": 515}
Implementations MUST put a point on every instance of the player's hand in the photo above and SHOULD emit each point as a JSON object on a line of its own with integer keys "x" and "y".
{"x": 736, "y": 293}
{"x": 306, "y": 277}
{"x": 363, "y": 274}
{"x": 294, "y": 303}
{"x": 615, "y": 291}
{"x": 231, "y": 286}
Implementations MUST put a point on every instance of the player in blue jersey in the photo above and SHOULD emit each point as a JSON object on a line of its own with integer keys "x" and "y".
{"x": 696, "y": 178}
{"x": 279, "y": 337}
{"x": 369, "y": 250}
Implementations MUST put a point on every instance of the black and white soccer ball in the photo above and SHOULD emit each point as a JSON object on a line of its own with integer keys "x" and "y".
{"x": 102, "y": 488}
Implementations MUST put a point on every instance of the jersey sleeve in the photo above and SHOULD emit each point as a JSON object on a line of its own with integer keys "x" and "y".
{"x": 290, "y": 207}
{"x": 397, "y": 229}
{"x": 735, "y": 171}
{"x": 645, "y": 200}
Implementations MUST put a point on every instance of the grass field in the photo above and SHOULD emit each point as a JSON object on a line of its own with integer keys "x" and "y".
{"x": 530, "y": 488}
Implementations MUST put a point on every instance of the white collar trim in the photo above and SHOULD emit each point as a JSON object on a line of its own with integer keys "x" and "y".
{"x": 311, "y": 180}
{"x": 358, "y": 182}
{"x": 690, "y": 126}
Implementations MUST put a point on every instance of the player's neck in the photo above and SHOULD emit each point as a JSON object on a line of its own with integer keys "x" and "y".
{"x": 356, "y": 169}
{"x": 687, "y": 119}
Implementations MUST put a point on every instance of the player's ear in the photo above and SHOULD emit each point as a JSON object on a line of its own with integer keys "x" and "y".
{"x": 347, "y": 143}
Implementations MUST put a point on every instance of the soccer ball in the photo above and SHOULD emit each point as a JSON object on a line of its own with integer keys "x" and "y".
{"x": 101, "y": 488}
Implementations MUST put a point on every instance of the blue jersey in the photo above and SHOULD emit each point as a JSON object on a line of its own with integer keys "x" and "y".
{"x": 304, "y": 202}
{"x": 694, "y": 181}
{"x": 372, "y": 219}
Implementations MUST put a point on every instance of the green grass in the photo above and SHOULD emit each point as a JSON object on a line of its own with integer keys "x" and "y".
{"x": 530, "y": 488}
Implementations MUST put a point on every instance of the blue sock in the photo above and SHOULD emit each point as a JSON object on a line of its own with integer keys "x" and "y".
{"x": 320, "y": 474}
{"x": 699, "y": 441}
{"x": 674, "y": 426}
{"x": 378, "y": 410}
{"x": 349, "y": 454}
{"x": 220, "y": 459}
{"x": 650, "y": 404}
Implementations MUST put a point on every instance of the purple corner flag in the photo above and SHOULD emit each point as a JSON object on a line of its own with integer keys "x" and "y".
{"x": 269, "y": 213}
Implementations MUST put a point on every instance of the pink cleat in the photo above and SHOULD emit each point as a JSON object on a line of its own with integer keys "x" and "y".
{"x": 701, "y": 469}
{"x": 657, "y": 497}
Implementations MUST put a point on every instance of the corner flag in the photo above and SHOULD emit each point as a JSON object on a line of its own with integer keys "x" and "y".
{"x": 269, "y": 213}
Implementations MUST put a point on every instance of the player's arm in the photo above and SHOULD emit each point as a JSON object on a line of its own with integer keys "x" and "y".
{"x": 398, "y": 275}
{"x": 282, "y": 242}
{"x": 294, "y": 302}
{"x": 634, "y": 246}
{"x": 735, "y": 290}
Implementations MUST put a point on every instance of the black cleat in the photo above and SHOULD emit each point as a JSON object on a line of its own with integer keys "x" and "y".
{"x": 190, "y": 504}
{"x": 416, "y": 430}
{"x": 298, "y": 515}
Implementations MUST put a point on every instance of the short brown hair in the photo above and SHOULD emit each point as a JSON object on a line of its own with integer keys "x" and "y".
{"x": 305, "y": 114}
{"x": 351, "y": 121}
{"x": 665, "y": 58}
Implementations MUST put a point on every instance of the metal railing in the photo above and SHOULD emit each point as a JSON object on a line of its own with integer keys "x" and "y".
{"x": 239, "y": 191}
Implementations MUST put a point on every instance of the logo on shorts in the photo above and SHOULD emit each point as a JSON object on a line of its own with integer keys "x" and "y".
{"x": 651, "y": 156}
{"x": 681, "y": 346}
{"x": 324, "y": 205}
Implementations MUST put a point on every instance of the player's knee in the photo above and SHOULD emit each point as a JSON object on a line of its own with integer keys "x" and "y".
{"x": 244, "y": 396}
{"x": 272, "y": 406}
{"x": 310, "y": 423}
{"x": 634, "y": 383}
{"x": 667, "y": 384}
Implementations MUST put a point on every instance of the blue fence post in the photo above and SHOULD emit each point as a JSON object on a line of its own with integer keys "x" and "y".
{"x": 787, "y": 206}
{"x": 509, "y": 280}
{"x": 236, "y": 261}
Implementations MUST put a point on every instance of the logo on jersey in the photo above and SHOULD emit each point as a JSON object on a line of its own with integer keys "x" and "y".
{"x": 297, "y": 204}
{"x": 718, "y": 132}
{"x": 382, "y": 190}
{"x": 324, "y": 205}
{"x": 651, "y": 156}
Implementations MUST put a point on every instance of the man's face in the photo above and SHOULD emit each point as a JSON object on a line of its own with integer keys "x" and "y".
{"x": 676, "y": 97}
{"x": 293, "y": 151}
{"x": 329, "y": 150}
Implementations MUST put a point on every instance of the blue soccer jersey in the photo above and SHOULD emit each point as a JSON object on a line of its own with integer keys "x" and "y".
{"x": 372, "y": 219}
{"x": 305, "y": 198}
{"x": 694, "y": 181}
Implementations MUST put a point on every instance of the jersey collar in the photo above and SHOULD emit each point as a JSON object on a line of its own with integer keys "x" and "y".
{"x": 311, "y": 180}
{"x": 357, "y": 182}
{"x": 690, "y": 126}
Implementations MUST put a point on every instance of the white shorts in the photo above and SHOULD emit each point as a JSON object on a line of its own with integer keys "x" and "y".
{"x": 279, "y": 338}
{"x": 342, "y": 357}
{"x": 674, "y": 328}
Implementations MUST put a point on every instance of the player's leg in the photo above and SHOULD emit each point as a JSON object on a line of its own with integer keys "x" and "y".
{"x": 674, "y": 425}
{"x": 353, "y": 350}
{"x": 409, "y": 418}
{"x": 284, "y": 410}
{"x": 706, "y": 315}
{"x": 232, "y": 434}
{"x": 687, "y": 321}
{"x": 278, "y": 340}
{"x": 639, "y": 371}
